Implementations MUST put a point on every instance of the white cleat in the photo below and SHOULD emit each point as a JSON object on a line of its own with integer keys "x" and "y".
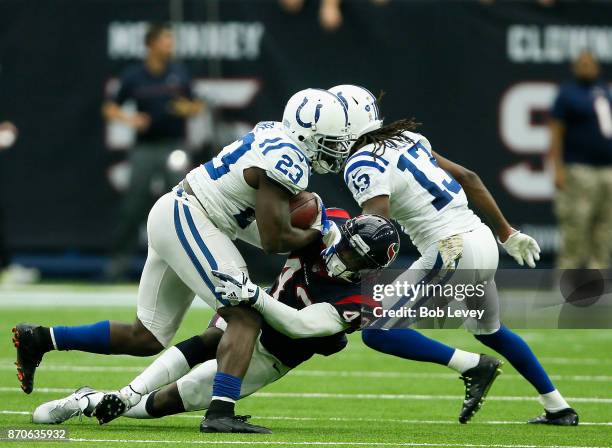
{"x": 58, "y": 411}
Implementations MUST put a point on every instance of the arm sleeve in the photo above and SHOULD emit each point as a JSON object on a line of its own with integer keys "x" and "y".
{"x": 320, "y": 319}
{"x": 367, "y": 178}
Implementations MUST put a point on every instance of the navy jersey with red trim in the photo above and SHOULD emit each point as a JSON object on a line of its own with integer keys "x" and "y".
{"x": 303, "y": 282}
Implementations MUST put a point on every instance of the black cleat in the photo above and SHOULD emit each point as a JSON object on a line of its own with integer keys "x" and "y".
{"x": 111, "y": 406}
{"x": 478, "y": 381}
{"x": 236, "y": 423}
{"x": 29, "y": 354}
{"x": 564, "y": 417}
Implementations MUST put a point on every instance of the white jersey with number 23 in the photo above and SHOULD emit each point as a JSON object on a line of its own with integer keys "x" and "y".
{"x": 220, "y": 185}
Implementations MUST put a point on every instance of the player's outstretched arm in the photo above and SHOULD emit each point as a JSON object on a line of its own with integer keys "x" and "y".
{"x": 274, "y": 218}
{"x": 479, "y": 196}
{"x": 319, "y": 319}
{"x": 521, "y": 247}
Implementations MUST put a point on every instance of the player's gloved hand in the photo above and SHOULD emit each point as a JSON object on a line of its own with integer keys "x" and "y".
{"x": 236, "y": 289}
{"x": 523, "y": 248}
{"x": 333, "y": 235}
{"x": 321, "y": 223}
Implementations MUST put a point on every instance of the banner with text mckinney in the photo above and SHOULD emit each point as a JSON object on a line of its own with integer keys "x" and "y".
{"x": 479, "y": 78}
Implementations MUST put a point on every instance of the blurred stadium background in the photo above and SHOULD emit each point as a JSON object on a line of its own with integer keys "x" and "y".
{"x": 480, "y": 76}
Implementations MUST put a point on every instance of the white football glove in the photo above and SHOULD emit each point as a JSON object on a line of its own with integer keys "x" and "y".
{"x": 333, "y": 235}
{"x": 522, "y": 248}
{"x": 328, "y": 228}
{"x": 236, "y": 289}
{"x": 321, "y": 223}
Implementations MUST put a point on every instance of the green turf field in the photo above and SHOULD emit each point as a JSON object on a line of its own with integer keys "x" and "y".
{"x": 357, "y": 398}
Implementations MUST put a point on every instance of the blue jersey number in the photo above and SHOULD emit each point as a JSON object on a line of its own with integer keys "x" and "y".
{"x": 440, "y": 191}
{"x": 286, "y": 166}
{"x": 231, "y": 155}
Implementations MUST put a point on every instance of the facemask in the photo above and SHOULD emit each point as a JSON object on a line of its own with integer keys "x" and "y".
{"x": 335, "y": 266}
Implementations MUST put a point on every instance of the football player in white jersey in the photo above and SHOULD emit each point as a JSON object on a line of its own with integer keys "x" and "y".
{"x": 190, "y": 232}
{"x": 394, "y": 172}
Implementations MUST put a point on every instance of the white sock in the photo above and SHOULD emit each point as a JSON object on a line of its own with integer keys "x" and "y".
{"x": 462, "y": 361}
{"x": 169, "y": 367}
{"x": 132, "y": 396}
{"x": 228, "y": 399}
{"x": 553, "y": 401}
{"x": 53, "y": 338}
{"x": 89, "y": 402}
{"x": 140, "y": 410}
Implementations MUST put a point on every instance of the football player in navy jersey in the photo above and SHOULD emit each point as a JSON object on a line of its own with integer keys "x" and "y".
{"x": 308, "y": 311}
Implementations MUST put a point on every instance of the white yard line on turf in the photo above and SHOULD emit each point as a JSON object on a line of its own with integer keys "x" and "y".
{"x": 560, "y": 361}
{"x": 6, "y": 364}
{"x": 357, "y": 419}
{"x": 279, "y": 443}
{"x": 80, "y": 299}
{"x": 445, "y": 376}
{"x": 578, "y": 361}
{"x": 47, "y": 390}
{"x": 76, "y": 298}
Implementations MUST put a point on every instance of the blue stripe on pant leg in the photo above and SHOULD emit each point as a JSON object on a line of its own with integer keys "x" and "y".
{"x": 198, "y": 239}
{"x": 192, "y": 256}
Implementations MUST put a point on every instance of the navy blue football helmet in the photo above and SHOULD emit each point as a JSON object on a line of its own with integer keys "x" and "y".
{"x": 368, "y": 242}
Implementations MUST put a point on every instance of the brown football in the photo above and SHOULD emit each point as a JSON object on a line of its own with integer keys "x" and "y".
{"x": 304, "y": 208}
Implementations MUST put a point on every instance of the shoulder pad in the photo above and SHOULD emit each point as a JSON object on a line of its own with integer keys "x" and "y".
{"x": 285, "y": 163}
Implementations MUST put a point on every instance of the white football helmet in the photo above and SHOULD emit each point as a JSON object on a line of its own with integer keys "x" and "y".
{"x": 362, "y": 108}
{"x": 317, "y": 121}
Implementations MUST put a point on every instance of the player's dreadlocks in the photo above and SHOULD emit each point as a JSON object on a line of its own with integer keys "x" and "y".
{"x": 391, "y": 133}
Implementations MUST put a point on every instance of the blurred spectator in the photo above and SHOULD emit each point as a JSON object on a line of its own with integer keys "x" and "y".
{"x": 11, "y": 273}
{"x": 581, "y": 152}
{"x": 330, "y": 13}
{"x": 162, "y": 92}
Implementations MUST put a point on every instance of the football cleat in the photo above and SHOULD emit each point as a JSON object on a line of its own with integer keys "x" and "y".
{"x": 236, "y": 423}
{"x": 111, "y": 406}
{"x": 29, "y": 354}
{"x": 478, "y": 381}
{"x": 58, "y": 411}
{"x": 564, "y": 417}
